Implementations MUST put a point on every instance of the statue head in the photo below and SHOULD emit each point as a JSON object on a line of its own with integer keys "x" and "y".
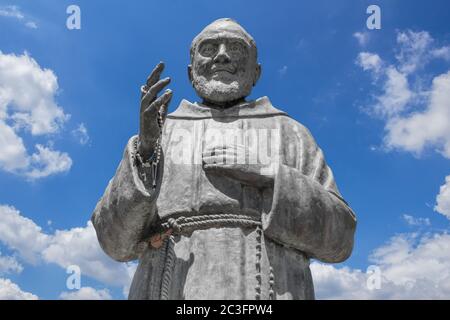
{"x": 224, "y": 65}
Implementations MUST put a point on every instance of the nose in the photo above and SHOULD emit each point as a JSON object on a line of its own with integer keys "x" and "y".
{"x": 222, "y": 55}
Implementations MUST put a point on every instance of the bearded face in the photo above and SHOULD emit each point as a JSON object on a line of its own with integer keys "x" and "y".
{"x": 224, "y": 67}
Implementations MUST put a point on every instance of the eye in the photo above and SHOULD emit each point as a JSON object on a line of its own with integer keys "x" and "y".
{"x": 208, "y": 49}
{"x": 234, "y": 47}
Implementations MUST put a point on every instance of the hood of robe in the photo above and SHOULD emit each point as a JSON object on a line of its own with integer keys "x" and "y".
{"x": 260, "y": 107}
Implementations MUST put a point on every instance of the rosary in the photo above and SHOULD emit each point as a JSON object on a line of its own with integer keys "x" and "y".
{"x": 153, "y": 161}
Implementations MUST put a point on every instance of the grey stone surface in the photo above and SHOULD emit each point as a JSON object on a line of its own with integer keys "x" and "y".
{"x": 205, "y": 225}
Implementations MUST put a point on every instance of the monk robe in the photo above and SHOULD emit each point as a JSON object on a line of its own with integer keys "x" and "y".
{"x": 230, "y": 240}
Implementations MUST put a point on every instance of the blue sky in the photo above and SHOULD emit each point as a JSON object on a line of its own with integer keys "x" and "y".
{"x": 356, "y": 89}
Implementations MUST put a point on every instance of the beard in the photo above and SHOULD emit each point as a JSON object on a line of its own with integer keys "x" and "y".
{"x": 221, "y": 91}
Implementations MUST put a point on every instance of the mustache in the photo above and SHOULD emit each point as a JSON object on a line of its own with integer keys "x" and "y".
{"x": 221, "y": 67}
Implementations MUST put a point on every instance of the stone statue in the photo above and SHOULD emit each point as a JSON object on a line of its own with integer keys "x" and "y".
{"x": 224, "y": 198}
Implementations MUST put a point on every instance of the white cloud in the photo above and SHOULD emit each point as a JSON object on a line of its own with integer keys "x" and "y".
{"x": 362, "y": 37}
{"x": 22, "y": 234}
{"x": 86, "y": 293}
{"x": 11, "y": 291}
{"x": 11, "y": 11}
{"x": 369, "y": 62}
{"x": 14, "y": 12}
{"x": 443, "y": 53}
{"x": 412, "y": 267}
{"x": 334, "y": 283}
{"x": 81, "y": 134}
{"x": 27, "y": 95}
{"x": 415, "y": 117}
{"x": 27, "y": 103}
{"x": 396, "y": 94}
{"x": 412, "y": 221}
{"x": 413, "y": 51}
{"x": 407, "y": 259}
{"x": 443, "y": 199}
{"x": 13, "y": 155}
{"x": 46, "y": 162}
{"x": 31, "y": 24}
{"x": 430, "y": 127}
{"x": 77, "y": 246}
{"x": 9, "y": 265}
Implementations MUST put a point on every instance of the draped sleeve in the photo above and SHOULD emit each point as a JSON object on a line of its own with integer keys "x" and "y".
{"x": 307, "y": 212}
{"x": 126, "y": 210}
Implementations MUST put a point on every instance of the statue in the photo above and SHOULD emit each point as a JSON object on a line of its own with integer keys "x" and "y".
{"x": 224, "y": 198}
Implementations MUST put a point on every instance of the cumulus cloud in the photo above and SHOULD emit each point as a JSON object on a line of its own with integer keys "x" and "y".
{"x": 27, "y": 105}
{"x": 443, "y": 53}
{"x": 79, "y": 246}
{"x": 28, "y": 91}
{"x": 46, "y": 162}
{"x": 430, "y": 127}
{"x": 9, "y": 265}
{"x": 411, "y": 267}
{"x": 13, "y": 155}
{"x": 86, "y": 293}
{"x": 396, "y": 94}
{"x": 417, "y": 117}
{"x": 11, "y": 291}
{"x": 369, "y": 62}
{"x": 413, "y": 50}
{"x": 76, "y": 246}
{"x": 15, "y": 13}
{"x": 443, "y": 199}
{"x": 22, "y": 234}
{"x": 362, "y": 38}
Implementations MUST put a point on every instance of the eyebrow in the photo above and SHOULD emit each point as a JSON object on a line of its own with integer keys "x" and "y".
{"x": 217, "y": 37}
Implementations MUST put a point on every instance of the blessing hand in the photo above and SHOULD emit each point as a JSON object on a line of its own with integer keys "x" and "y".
{"x": 233, "y": 161}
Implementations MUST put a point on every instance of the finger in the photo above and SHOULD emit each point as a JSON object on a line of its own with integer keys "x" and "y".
{"x": 214, "y": 149}
{"x": 221, "y": 149}
{"x": 155, "y": 74}
{"x": 164, "y": 108}
{"x": 162, "y": 100}
{"x": 152, "y": 78}
{"x": 219, "y": 159}
{"x": 153, "y": 91}
{"x": 219, "y": 153}
{"x": 144, "y": 90}
{"x": 216, "y": 167}
{"x": 230, "y": 147}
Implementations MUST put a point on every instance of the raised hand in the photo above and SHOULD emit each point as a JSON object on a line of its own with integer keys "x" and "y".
{"x": 151, "y": 104}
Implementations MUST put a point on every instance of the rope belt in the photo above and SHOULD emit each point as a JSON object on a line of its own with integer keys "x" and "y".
{"x": 185, "y": 225}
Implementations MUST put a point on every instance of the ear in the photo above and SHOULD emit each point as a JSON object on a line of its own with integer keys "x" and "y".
{"x": 189, "y": 69}
{"x": 257, "y": 74}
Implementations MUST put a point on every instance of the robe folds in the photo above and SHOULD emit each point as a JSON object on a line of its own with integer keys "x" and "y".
{"x": 230, "y": 240}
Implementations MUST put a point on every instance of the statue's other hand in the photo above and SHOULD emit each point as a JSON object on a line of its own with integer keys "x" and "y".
{"x": 151, "y": 105}
{"x": 233, "y": 161}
